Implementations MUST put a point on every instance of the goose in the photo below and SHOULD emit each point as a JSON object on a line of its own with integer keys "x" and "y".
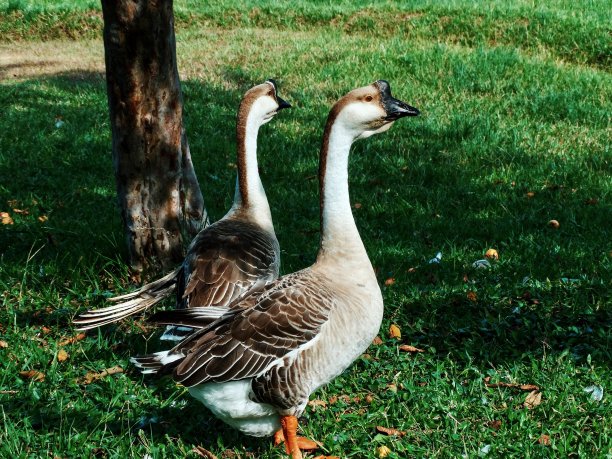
{"x": 225, "y": 260}
{"x": 257, "y": 364}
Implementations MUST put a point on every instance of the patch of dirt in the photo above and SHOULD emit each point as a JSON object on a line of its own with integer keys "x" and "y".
{"x": 75, "y": 59}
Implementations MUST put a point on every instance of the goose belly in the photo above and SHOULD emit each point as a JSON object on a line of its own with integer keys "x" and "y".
{"x": 342, "y": 342}
{"x": 230, "y": 402}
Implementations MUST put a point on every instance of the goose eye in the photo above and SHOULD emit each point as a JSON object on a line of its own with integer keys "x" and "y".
{"x": 368, "y": 98}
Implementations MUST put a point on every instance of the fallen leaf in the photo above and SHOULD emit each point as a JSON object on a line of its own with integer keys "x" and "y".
{"x": 544, "y": 440}
{"x": 390, "y": 281}
{"x": 395, "y": 332}
{"x": 383, "y": 451}
{"x": 554, "y": 224}
{"x": 530, "y": 194}
{"x": 377, "y": 341}
{"x": 472, "y": 296}
{"x": 492, "y": 254}
{"x": 62, "y": 355}
{"x": 46, "y": 330}
{"x": 411, "y": 270}
{"x": 6, "y": 218}
{"x": 357, "y": 205}
{"x": 533, "y": 399}
{"x": 33, "y": 375}
{"x": 390, "y": 431}
{"x": 9, "y": 392}
{"x": 369, "y": 398}
{"x": 3, "y": 344}
{"x": 91, "y": 377}
{"x": 72, "y": 339}
{"x": 525, "y": 387}
{"x": 496, "y": 424}
{"x": 22, "y": 211}
{"x": 409, "y": 348}
{"x": 43, "y": 218}
{"x": 392, "y": 387}
{"x": 203, "y": 452}
{"x": 317, "y": 403}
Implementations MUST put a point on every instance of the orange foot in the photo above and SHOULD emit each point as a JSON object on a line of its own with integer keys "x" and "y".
{"x": 305, "y": 444}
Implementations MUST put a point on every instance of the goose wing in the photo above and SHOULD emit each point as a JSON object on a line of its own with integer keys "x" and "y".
{"x": 243, "y": 343}
{"x": 225, "y": 261}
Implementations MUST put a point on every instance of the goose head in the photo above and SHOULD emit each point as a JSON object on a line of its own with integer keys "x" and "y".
{"x": 262, "y": 102}
{"x": 370, "y": 110}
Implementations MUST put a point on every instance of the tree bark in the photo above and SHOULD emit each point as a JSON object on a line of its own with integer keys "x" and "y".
{"x": 158, "y": 192}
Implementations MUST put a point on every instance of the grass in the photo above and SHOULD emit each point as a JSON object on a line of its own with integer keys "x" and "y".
{"x": 515, "y": 131}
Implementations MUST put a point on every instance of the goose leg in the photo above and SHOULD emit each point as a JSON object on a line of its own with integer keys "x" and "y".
{"x": 289, "y": 425}
{"x": 305, "y": 444}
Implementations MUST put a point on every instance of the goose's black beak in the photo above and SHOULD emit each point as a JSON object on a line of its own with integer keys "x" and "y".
{"x": 282, "y": 103}
{"x": 395, "y": 108}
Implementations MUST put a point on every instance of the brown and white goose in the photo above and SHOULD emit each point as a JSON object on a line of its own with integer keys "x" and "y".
{"x": 256, "y": 366}
{"x": 225, "y": 260}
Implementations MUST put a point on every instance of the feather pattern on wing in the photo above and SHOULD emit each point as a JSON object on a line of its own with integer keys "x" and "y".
{"x": 282, "y": 318}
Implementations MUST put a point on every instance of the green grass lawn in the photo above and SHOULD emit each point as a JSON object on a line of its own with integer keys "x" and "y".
{"x": 515, "y": 130}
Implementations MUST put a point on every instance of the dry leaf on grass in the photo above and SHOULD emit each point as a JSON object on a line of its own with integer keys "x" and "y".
{"x": 317, "y": 403}
{"x": 390, "y": 281}
{"x": 525, "y": 387}
{"x": 492, "y": 254}
{"x": 72, "y": 339}
{"x": 91, "y": 377}
{"x": 395, "y": 332}
{"x": 203, "y": 452}
{"x": 496, "y": 424}
{"x": 33, "y": 375}
{"x": 369, "y": 398}
{"x": 383, "y": 451}
{"x": 3, "y": 344}
{"x": 377, "y": 341}
{"x": 43, "y": 218}
{"x": 392, "y": 387}
{"x": 390, "y": 431}
{"x": 409, "y": 348}
{"x": 472, "y": 296}
{"x": 62, "y": 355}
{"x": 6, "y": 219}
{"x": 544, "y": 440}
{"x": 533, "y": 399}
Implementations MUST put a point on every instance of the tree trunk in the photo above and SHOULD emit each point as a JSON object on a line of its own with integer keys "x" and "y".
{"x": 157, "y": 188}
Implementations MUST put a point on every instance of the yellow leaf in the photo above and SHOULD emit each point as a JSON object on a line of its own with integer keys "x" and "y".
{"x": 377, "y": 341}
{"x": 395, "y": 332}
{"x": 6, "y": 218}
{"x": 43, "y": 218}
{"x": 3, "y": 344}
{"x": 383, "y": 451}
{"x": 62, "y": 355}
{"x": 492, "y": 254}
{"x": 472, "y": 296}
{"x": 33, "y": 375}
{"x": 533, "y": 399}
{"x": 91, "y": 377}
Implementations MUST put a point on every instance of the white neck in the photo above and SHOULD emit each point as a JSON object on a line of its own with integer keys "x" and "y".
{"x": 339, "y": 235}
{"x": 248, "y": 176}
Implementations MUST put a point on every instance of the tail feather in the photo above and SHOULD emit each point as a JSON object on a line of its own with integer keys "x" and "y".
{"x": 158, "y": 363}
{"x": 140, "y": 300}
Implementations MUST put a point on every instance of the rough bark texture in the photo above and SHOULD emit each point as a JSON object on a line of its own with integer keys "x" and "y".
{"x": 157, "y": 188}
